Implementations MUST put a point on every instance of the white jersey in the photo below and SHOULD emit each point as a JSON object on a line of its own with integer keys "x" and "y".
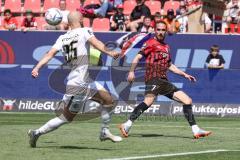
{"x": 183, "y": 24}
{"x": 74, "y": 46}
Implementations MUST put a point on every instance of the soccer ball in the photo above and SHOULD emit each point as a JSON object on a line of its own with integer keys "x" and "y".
{"x": 53, "y": 16}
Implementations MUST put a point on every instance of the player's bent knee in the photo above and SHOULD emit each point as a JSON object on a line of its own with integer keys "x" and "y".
{"x": 149, "y": 99}
{"x": 148, "y": 103}
{"x": 63, "y": 118}
{"x": 69, "y": 115}
{"x": 110, "y": 105}
{"x": 188, "y": 101}
{"x": 108, "y": 101}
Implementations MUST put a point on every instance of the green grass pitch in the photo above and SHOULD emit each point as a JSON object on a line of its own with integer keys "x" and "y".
{"x": 150, "y": 136}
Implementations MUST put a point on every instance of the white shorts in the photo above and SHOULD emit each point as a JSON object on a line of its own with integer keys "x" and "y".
{"x": 76, "y": 96}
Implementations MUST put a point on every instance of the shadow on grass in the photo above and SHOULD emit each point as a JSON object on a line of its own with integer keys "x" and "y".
{"x": 159, "y": 135}
{"x": 49, "y": 142}
{"x": 82, "y": 147}
{"x": 76, "y": 147}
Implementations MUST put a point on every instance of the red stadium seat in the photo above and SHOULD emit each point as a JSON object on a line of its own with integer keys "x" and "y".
{"x": 101, "y": 24}
{"x": 238, "y": 29}
{"x": 72, "y": 5}
{"x": 232, "y": 27}
{"x": 87, "y": 2}
{"x": 154, "y": 6}
{"x": 19, "y": 20}
{"x": 86, "y": 22}
{"x": 14, "y": 5}
{"x": 50, "y": 4}
{"x": 34, "y": 5}
{"x": 171, "y": 5}
{"x": 128, "y": 6}
{"x": 40, "y": 22}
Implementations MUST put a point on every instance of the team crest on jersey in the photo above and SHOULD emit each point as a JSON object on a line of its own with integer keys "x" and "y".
{"x": 165, "y": 55}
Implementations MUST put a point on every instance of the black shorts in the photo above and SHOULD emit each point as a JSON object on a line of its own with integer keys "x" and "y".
{"x": 158, "y": 86}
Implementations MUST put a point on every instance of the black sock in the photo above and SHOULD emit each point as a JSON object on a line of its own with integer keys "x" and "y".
{"x": 138, "y": 111}
{"x": 187, "y": 110}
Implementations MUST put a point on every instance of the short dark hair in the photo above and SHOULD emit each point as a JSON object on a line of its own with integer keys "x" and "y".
{"x": 7, "y": 11}
{"x": 147, "y": 17}
{"x": 157, "y": 14}
{"x": 214, "y": 48}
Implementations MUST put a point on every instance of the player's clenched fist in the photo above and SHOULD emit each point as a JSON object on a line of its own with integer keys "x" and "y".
{"x": 190, "y": 78}
{"x": 131, "y": 77}
{"x": 115, "y": 54}
{"x": 35, "y": 72}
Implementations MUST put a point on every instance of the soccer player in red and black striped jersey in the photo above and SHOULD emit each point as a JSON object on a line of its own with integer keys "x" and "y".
{"x": 157, "y": 62}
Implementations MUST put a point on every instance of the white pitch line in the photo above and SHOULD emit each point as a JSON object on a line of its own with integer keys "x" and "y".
{"x": 171, "y": 154}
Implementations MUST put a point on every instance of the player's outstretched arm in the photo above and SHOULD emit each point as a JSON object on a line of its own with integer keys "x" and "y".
{"x": 131, "y": 75}
{"x": 176, "y": 70}
{"x": 46, "y": 58}
{"x": 101, "y": 47}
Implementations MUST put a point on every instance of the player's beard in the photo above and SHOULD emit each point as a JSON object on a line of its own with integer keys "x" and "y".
{"x": 160, "y": 37}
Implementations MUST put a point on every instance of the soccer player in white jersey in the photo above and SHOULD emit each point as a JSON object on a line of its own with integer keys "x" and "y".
{"x": 74, "y": 45}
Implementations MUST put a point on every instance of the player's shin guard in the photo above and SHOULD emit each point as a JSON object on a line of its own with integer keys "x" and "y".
{"x": 106, "y": 114}
{"x": 187, "y": 110}
{"x": 138, "y": 111}
{"x": 51, "y": 125}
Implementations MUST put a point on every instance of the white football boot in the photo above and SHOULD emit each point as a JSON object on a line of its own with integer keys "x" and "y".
{"x": 33, "y": 137}
{"x": 105, "y": 134}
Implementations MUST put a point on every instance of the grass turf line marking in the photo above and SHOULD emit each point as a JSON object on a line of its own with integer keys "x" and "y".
{"x": 172, "y": 154}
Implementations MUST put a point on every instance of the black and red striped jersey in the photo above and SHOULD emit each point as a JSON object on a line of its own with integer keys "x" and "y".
{"x": 157, "y": 59}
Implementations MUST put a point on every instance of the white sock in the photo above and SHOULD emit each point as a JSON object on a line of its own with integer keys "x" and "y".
{"x": 195, "y": 128}
{"x": 129, "y": 122}
{"x": 106, "y": 115}
{"x": 52, "y": 125}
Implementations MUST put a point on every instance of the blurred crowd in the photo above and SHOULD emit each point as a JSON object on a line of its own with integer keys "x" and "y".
{"x": 142, "y": 16}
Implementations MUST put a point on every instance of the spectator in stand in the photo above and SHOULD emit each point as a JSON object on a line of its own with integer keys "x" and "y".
{"x": 214, "y": 59}
{"x": 62, "y": 6}
{"x": 182, "y": 4}
{"x": 207, "y": 23}
{"x": 137, "y": 15}
{"x": 29, "y": 22}
{"x": 172, "y": 23}
{"x": 106, "y": 6}
{"x": 145, "y": 27}
{"x": 183, "y": 21}
{"x": 117, "y": 21}
{"x": 158, "y": 16}
{"x": 9, "y": 22}
{"x": 64, "y": 24}
{"x": 233, "y": 9}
